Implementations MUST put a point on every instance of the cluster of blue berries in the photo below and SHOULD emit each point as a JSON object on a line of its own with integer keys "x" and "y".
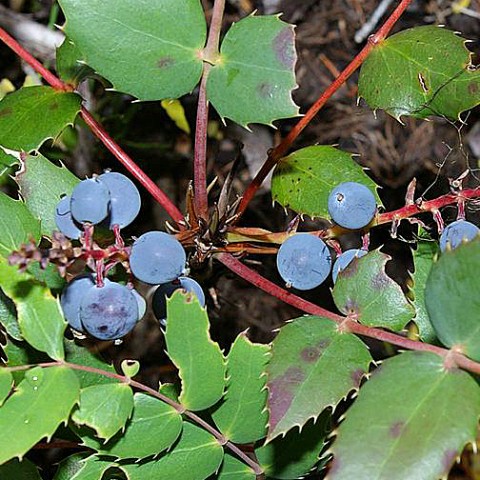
{"x": 304, "y": 261}
{"x": 94, "y": 304}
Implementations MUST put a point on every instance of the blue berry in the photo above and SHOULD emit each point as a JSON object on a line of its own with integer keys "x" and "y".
{"x": 304, "y": 261}
{"x": 64, "y": 219}
{"x": 352, "y": 205}
{"x": 344, "y": 260}
{"x": 164, "y": 291}
{"x": 125, "y": 199}
{"x": 109, "y": 312}
{"x": 457, "y": 232}
{"x": 157, "y": 257}
{"x": 90, "y": 201}
{"x": 142, "y": 304}
{"x": 72, "y": 296}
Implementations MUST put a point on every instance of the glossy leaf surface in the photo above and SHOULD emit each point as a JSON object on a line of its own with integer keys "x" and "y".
{"x": 6, "y": 384}
{"x": 41, "y": 196}
{"x": 304, "y": 179}
{"x": 70, "y": 64}
{"x": 364, "y": 289}
{"x": 8, "y": 317}
{"x": 31, "y": 115}
{"x": 410, "y": 420}
{"x": 40, "y": 403}
{"x": 452, "y": 299}
{"x": 162, "y": 39}
{"x": 16, "y": 470}
{"x": 105, "y": 408}
{"x": 153, "y": 427}
{"x": 234, "y": 469}
{"x": 17, "y": 224}
{"x": 241, "y": 416}
{"x": 254, "y": 77}
{"x": 420, "y": 72}
{"x": 199, "y": 360}
{"x": 313, "y": 366}
{"x": 39, "y": 314}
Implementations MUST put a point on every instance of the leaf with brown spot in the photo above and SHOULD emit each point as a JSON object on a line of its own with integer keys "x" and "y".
{"x": 410, "y": 422}
{"x": 364, "y": 289}
{"x": 312, "y": 367}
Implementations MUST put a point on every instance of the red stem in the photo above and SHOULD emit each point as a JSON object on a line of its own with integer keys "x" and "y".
{"x": 209, "y": 56}
{"x": 345, "y": 323}
{"x": 279, "y": 151}
{"x": 97, "y": 129}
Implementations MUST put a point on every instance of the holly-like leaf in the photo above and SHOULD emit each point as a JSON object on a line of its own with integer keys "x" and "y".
{"x": 40, "y": 403}
{"x": 234, "y": 469}
{"x": 6, "y": 384}
{"x": 294, "y": 455}
{"x": 153, "y": 427}
{"x": 420, "y": 72}
{"x": 312, "y": 367}
{"x": 8, "y": 317}
{"x": 253, "y": 79}
{"x": 364, "y": 289}
{"x": 241, "y": 416}
{"x": 42, "y": 184}
{"x": 199, "y": 360}
{"x": 105, "y": 408}
{"x": 70, "y": 64}
{"x": 88, "y": 357}
{"x": 452, "y": 300}
{"x": 31, "y": 115}
{"x": 195, "y": 456}
{"x": 17, "y": 224}
{"x": 16, "y": 470}
{"x": 411, "y": 420}
{"x": 141, "y": 37}
{"x": 40, "y": 316}
{"x": 423, "y": 260}
{"x": 304, "y": 179}
{"x": 79, "y": 467}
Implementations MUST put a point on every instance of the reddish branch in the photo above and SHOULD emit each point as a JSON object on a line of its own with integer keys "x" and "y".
{"x": 97, "y": 129}
{"x": 200, "y": 157}
{"x": 278, "y": 152}
{"x": 346, "y": 324}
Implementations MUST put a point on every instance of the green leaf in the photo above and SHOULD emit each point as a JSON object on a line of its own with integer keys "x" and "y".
{"x": 8, "y": 317}
{"x": 49, "y": 276}
{"x": 234, "y": 469}
{"x": 423, "y": 260}
{"x": 130, "y": 368}
{"x": 31, "y": 115}
{"x": 294, "y": 455}
{"x": 105, "y": 408}
{"x": 452, "y": 300}
{"x": 88, "y": 357}
{"x": 42, "y": 184}
{"x": 40, "y": 316}
{"x": 40, "y": 403}
{"x": 420, "y": 72}
{"x": 411, "y": 420}
{"x": 364, "y": 289}
{"x": 70, "y": 64}
{"x": 79, "y": 467}
{"x": 16, "y": 470}
{"x": 17, "y": 224}
{"x": 195, "y": 456}
{"x": 166, "y": 52}
{"x": 6, "y": 384}
{"x": 241, "y": 415}
{"x": 199, "y": 360}
{"x": 313, "y": 366}
{"x": 253, "y": 79}
{"x": 153, "y": 427}
{"x": 304, "y": 179}
{"x": 6, "y": 161}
